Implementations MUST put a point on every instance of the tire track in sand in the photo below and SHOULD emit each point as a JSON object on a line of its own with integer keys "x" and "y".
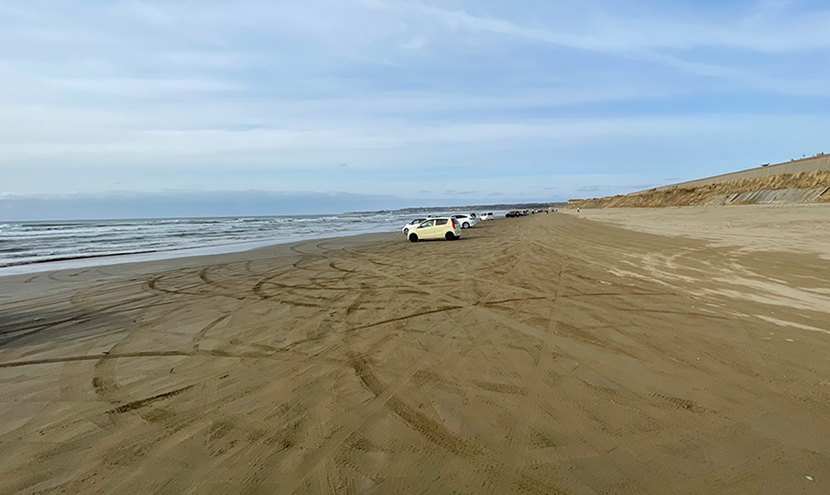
{"x": 386, "y": 399}
{"x": 527, "y": 408}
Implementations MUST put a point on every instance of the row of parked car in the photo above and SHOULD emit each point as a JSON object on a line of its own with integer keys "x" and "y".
{"x": 442, "y": 227}
{"x": 524, "y": 213}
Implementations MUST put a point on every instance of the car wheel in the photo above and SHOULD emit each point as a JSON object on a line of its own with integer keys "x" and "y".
{"x": 413, "y": 238}
{"x": 450, "y": 236}
{"x": 465, "y": 225}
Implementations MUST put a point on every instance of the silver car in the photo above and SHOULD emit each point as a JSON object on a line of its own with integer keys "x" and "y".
{"x": 466, "y": 221}
{"x": 411, "y": 225}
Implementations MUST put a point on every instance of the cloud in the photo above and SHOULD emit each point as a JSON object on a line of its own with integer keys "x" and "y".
{"x": 212, "y": 59}
{"x": 770, "y": 29}
{"x": 28, "y": 132}
{"x": 415, "y": 43}
{"x": 146, "y": 12}
{"x": 208, "y": 96}
{"x": 144, "y": 87}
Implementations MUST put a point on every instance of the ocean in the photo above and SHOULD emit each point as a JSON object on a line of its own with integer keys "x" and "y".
{"x": 37, "y": 246}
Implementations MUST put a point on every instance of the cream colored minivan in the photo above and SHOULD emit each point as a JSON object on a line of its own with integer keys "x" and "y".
{"x": 436, "y": 228}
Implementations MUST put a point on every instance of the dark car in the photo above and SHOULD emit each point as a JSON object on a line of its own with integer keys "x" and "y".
{"x": 513, "y": 213}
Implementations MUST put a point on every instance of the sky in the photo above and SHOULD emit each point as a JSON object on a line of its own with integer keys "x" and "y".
{"x": 334, "y": 105}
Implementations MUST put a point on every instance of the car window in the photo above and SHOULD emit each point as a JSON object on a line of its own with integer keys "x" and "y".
{"x": 428, "y": 223}
{"x": 441, "y": 221}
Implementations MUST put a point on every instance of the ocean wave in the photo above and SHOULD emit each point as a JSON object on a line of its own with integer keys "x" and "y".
{"x": 40, "y": 242}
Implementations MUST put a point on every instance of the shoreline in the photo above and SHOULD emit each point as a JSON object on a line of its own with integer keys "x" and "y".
{"x": 91, "y": 261}
{"x": 36, "y": 283}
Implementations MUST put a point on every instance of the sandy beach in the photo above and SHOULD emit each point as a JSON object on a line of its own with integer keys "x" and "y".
{"x": 603, "y": 352}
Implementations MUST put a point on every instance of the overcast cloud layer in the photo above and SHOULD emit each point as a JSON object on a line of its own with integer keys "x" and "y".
{"x": 457, "y": 102}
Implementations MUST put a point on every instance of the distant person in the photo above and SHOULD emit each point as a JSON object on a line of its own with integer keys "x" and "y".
{"x": 577, "y": 210}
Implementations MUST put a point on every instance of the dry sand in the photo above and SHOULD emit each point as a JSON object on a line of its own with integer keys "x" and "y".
{"x": 549, "y": 355}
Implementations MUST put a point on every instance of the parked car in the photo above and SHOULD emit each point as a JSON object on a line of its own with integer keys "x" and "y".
{"x": 411, "y": 225}
{"x": 486, "y": 216}
{"x": 466, "y": 221}
{"x": 436, "y": 228}
{"x": 513, "y": 214}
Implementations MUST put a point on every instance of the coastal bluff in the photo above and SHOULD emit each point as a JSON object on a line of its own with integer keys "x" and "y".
{"x": 797, "y": 181}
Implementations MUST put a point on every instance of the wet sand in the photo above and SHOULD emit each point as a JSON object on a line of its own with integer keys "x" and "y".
{"x": 553, "y": 354}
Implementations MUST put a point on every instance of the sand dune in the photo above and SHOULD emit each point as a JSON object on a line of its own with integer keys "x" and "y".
{"x": 803, "y": 187}
{"x": 547, "y": 354}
